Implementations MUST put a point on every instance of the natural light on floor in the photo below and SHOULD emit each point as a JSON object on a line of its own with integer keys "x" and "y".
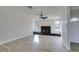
{"x": 36, "y": 39}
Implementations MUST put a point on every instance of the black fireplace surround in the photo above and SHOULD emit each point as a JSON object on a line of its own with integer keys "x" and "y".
{"x": 45, "y": 29}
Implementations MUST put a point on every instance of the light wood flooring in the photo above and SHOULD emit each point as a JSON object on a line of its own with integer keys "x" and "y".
{"x": 36, "y": 43}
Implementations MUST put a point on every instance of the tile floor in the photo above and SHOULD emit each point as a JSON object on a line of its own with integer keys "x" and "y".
{"x": 35, "y": 43}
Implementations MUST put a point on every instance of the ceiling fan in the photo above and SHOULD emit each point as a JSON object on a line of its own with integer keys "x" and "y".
{"x": 43, "y": 17}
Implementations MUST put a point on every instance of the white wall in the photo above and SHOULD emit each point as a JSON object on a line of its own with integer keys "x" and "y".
{"x": 15, "y": 23}
{"x": 74, "y": 32}
{"x": 74, "y": 27}
{"x": 65, "y": 30}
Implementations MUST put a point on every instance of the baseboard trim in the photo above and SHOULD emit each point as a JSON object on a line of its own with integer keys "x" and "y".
{"x": 7, "y": 41}
{"x": 74, "y": 43}
{"x": 67, "y": 47}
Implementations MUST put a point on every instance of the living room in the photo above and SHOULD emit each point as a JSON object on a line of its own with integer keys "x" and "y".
{"x": 37, "y": 29}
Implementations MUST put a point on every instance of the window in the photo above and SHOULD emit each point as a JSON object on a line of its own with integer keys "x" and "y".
{"x": 74, "y": 19}
{"x": 57, "y": 26}
{"x": 57, "y": 22}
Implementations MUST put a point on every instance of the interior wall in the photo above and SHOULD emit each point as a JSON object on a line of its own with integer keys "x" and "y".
{"x": 74, "y": 27}
{"x": 65, "y": 29}
{"x": 14, "y": 23}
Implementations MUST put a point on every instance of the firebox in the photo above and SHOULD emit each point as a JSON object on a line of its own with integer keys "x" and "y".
{"x": 45, "y": 29}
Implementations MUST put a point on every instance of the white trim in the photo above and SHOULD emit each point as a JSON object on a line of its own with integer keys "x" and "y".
{"x": 75, "y": 41}
{"x": 68, "y": 47}
{"x": 10, "y": 40}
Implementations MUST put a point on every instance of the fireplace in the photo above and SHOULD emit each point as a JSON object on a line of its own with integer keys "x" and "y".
{"x": 45, "y": 29}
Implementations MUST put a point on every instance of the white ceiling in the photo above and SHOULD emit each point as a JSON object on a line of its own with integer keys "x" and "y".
{"x": 50, "y": 11}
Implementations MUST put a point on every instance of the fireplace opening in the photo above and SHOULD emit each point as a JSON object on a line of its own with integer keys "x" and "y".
{"x": 45, "y": 29}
